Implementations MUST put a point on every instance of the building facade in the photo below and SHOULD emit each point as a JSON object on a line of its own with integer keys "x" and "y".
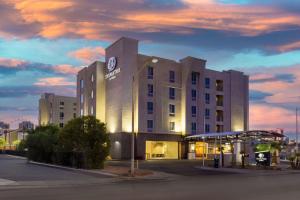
{"x": 26, "y": 125}
{"x": 164, "y": 100}
{"x": 55, "y": 109}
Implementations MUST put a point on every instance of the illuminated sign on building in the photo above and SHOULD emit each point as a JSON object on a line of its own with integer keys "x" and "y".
{"x": 111, "y": 67}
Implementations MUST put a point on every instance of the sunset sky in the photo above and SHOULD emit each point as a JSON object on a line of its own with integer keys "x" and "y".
{"x": 43, "y": 43}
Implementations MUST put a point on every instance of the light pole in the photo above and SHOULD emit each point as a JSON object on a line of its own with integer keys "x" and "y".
{"x": 153, "y": 60}
{"x": 297, "y": 130}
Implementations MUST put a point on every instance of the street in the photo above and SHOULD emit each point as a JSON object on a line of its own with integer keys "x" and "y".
{"x": 38, "y": 182}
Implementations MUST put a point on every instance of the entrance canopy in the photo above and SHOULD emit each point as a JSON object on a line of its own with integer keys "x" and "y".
{"x": 257, "y": 134}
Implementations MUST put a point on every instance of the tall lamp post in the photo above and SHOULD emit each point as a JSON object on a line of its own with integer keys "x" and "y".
{"x": 297, "y": 109}
{"x": 135, "y": 74}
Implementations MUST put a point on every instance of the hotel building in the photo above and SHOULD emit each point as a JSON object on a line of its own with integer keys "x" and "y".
{"x": 55, "y": 109}
{"x": 169, "y": 100}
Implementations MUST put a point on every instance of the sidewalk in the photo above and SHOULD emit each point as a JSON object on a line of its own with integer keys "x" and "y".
{"x": 250, "y": 171}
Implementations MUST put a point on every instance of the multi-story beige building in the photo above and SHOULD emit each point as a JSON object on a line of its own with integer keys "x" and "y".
{"x": 55, "y": 109}
{"x": 170, "y": 99}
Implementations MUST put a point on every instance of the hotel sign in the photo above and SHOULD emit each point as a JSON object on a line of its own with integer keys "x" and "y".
{"x": 263, "y": 158}
{"x": 112, "y": 68}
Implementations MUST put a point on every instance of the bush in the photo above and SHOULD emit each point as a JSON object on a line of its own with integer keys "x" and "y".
{"x": 42, "y": 142}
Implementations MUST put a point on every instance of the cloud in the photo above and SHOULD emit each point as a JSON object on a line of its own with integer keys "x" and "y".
{"x": 88, "y": 54}
{"x": 265, "y": 116}
{"x": 258, "y": 95}
{"x": 11, "y": 66}
{"x": 35, "y": 90}
{"x": 289, "y": 47}
{"x": 209, "y": 22}
{"x": 54, "y": 81}
{"x": 283, "y": 87}
{"x": 11, "y": 63}
{"x": 262, "y": 78}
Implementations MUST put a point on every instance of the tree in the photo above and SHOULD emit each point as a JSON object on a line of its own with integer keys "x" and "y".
{"x": 2, "y": 143}
{"x": 88, "y": 136}
{"x": 42, "y": 142}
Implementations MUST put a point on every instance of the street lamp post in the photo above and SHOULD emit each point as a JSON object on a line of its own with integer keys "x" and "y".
{"x": 297, "y": 130}
{"x": 153, "y": 60}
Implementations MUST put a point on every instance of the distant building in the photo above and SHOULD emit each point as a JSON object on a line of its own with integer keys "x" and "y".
{"x": 55, "y": 109}
{"x": 170, "y": 99}
{"x": 4, "y": 125}
{"x": 26, "y": 125}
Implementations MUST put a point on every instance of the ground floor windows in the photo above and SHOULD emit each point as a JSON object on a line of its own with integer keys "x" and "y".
{"x": 161, "y": 150}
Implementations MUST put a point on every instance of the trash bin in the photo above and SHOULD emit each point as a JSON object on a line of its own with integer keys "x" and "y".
{"x": 216, "y": 163}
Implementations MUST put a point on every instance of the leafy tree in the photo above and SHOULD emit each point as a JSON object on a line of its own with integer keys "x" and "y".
{"x": 2, "y": 143}
{"x": 88, "y": 136}
{"x": 42, "y": 142}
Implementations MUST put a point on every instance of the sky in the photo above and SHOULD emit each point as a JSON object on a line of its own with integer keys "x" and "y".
{"x": 43, "y": 44}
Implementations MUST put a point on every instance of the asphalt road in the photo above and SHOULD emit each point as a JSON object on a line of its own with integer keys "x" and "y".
{"x": 217, "y": 186}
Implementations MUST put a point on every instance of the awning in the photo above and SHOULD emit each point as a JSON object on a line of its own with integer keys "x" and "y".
{"x": 237, "y": 134}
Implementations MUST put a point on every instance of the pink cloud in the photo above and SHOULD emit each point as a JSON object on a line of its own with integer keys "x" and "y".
{"x": 25, "y": 65}
{"x": 11, "y": 63}
{"x": 283, "y": 91}
{"x": 88, "y": 54}
{"x": 87, "y": 18}
{"x": 263, "y": 116}
{"x": 54, "y": 81}
{"x": 66, "y": 69}
{"x": 289, "y": 47}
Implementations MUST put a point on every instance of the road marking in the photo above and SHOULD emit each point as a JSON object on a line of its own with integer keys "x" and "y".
{"x": 6, "y": 182}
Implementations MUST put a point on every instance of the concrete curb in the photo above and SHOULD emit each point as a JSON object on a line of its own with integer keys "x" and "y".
{"x": 19, "y": 157}
{"x": 89, "y": 172}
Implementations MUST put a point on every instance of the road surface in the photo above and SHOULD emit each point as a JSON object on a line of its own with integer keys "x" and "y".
{"x": 43, "y": 183}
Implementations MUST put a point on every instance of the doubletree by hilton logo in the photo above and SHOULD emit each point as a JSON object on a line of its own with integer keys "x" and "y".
{"x": 111, "y": 67}
{"x": 112, "y": 64}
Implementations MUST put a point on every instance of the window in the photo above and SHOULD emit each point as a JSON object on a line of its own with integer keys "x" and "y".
{"x": 150, "y": 107}
{"x": 61, "y": 103}
{"x": 219, "y": 85}
{"x": 172, "y": 126}
{"x": 74, "y": 115}
{"x": 61, "y": 125}
{"x": 92, "y": 78}
{"x": 74, "y": 104}
{"x": 194, "y": 78}
{"x": 171, "y": 76}
{"x": 207, "y": 83}
{"x": 219, "y": 100}
{"x": 207, "y": 128}
{"x": 92, "y": 94}
{"x": 172, "y": 93}
{"x": 150, "y": 72}
{"x": 81, "y": 98}
{"x": 92, "y": 110}
{"x": 193, "y": 127}
{"x": 194, "y": 111}
{"x": 150, "y": 90}
{"x": 194, "y": 95}
{"x": 220, "y": 128}
{"x": 81, "y": 84}
{"x": 61, "y": 115}
{"x": 207, "y": 98}
{"x": 149, "y": 125}
{"x": 171, "y": 110}
{"x": 220, "y": 115}
{"x": 207, "y": 113}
